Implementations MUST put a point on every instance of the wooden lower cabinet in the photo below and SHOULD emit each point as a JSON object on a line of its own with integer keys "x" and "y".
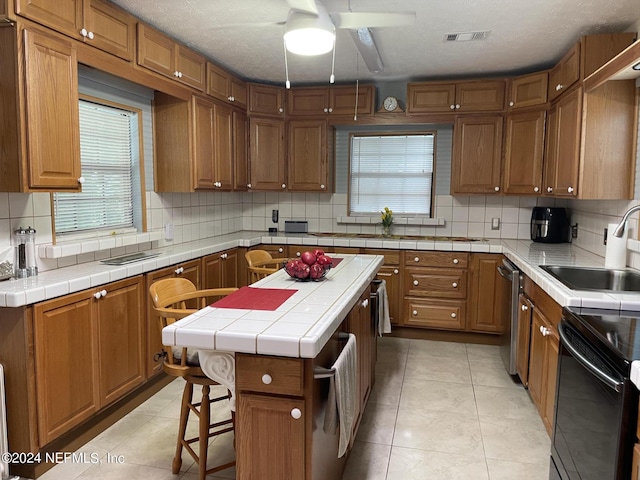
{"x": 525, "y": 310}
{"x": 221, "y": 269}
{"x": 488, "y": 309}
{"x": 191, "y": 270}
{"x": 392, "y": 272}
{"x": 635, "y": 469}
{"x": 438, "y": 314}
{"x": 359, "y": 322}
{"x": 87, "y": 353}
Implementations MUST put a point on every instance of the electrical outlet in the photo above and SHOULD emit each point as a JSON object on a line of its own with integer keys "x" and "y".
{"x": 168, "y": 231}
{"x": 495, "y": 224}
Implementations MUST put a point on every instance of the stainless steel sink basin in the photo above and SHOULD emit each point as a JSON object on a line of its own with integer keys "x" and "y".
{"x": 581, "y": 278}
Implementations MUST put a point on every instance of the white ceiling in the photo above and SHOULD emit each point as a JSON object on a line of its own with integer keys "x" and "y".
{"x": 525, "y": 35}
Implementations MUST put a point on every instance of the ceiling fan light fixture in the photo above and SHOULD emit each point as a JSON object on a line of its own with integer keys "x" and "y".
{"x": 307, "y": 34}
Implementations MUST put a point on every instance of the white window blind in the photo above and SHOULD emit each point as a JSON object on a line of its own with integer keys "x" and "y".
{"x": 394, "y": 171}
{"x": 106, "y": 200}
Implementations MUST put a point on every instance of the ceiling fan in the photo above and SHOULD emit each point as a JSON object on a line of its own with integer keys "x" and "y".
{"x": 310, "y": 29}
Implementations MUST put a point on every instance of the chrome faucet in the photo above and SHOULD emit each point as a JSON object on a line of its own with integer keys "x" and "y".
{"x": 619, "y": 231}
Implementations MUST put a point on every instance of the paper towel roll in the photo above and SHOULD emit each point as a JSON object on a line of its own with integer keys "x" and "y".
{"x": 616, "y": 251}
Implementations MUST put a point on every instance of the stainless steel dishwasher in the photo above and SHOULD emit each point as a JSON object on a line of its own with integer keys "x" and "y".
{"x": 509, "y": 339}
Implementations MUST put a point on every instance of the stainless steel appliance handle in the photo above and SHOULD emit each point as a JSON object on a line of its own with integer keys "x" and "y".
{"x": 605, "y": 378}
{"x": 505, "y": 273}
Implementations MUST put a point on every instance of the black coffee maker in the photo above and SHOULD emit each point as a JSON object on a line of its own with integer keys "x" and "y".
{"x": 550, "y": 225}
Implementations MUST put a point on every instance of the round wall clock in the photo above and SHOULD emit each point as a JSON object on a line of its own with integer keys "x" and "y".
{"x": 390, "y": 104}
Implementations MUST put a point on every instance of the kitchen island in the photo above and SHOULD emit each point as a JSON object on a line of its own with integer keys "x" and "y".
{"x": 280, "y": 431}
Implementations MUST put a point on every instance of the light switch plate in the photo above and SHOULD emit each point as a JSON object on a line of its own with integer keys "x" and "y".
{"x": 495, "y": 224}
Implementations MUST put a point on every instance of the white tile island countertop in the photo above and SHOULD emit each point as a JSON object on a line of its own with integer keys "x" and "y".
{"x": 299, "y": 327}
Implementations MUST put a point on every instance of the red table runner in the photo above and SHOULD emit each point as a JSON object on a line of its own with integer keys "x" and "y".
{"x": 335, "y": 262}
{"x": 250, "y": 298}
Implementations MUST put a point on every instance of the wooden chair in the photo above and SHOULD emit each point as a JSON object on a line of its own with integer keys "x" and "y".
{"x": 261, "y": 264}
{"x": 169, "y": 297}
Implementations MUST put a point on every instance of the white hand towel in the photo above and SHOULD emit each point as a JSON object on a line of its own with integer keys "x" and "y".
{"x": 384, "y": 320}
{"x": 343, "y": 393}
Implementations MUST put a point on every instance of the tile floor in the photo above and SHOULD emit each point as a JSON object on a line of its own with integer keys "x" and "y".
{"x": 438, "y": 411}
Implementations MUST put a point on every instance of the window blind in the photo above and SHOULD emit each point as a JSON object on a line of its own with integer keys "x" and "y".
{"x": 106, "y": 200}
{"x": 394, "y": 171}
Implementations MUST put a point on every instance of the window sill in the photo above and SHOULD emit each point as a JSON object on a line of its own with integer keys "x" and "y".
{"x": 94, "y": 245}
{"x": 373, "y": 220}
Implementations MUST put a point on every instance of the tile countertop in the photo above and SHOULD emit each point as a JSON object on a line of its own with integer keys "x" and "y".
{"x": 525, "y": 254}
{"x": 300, "y": 327}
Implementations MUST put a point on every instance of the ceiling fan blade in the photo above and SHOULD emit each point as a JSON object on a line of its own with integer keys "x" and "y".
{"x": 246, "y": 25}
{"x": 305, "y": 6}
{"x": 372, "y": 20}
{"x": 367, "y": 47}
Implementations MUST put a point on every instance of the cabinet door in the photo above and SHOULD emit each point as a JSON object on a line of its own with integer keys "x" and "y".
{"x": 431, "y": 97}
{"x": 490, "y": 295}
{"x": 203, "y": 144}
{"x": 63, "y": 15}
{"x": 563, "y": 149}
{"x": 120, "y": 316}
{"x": 308, "y": 169}
{"x": 480, "y": 96}
{"x": 260, "y": 417}
{"x": 391, "y": 275}
{"x": 66, "y": 362}
{"x": 223, "y": 146}
{"x": 52, "y": 116}
{"x": 551, "y": 374}
{"x": 218, "y": 82}
{"x": 524, "y": 152}
{"x": 537, "y": 355}
{"x": 565, "y": 73}
{"x": 266, "y": 100}
{"x": 359, "y": 323}
{"x": 152, "y": 328}
{"x": 192, "y": 67}
{"x": 525, "y": 310}
{"x": 238, "y": 92}
{"x": 477, "y": 153}
{"x": 529, "y": 90}
{"x": 113, "y": 29}
{"x": 240, "y": 151}
{"x": 343, "y": 100}
{"x": 156, "y": 51}
{"x": 308, "y": 101}
{"x": 267, "y": 158}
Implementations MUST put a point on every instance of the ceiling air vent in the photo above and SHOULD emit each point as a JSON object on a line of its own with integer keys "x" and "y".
{"x": 466, "y": 36}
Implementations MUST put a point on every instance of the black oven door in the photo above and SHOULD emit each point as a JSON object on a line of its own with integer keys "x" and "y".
{"x": 590, "y": 434}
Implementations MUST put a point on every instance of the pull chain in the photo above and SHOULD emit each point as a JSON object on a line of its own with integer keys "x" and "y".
{"x": 286, "y": 66}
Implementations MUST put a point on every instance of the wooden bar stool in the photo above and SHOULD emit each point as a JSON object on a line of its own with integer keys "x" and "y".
{"x": 261, "y": 264}
{"x": 169, "y": 297}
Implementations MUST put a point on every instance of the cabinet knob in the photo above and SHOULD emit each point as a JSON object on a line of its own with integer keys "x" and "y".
{"x": 524, "y": 308}
{"x": 364, "y": 303}
{"x": 454, "y": 285}
{"x": 280, "y": 250}
{"x": 452, "y": 107}
{"x": 266, "y": 379}
{"x": 179, "y": 74}
{"x": 80, "y": 180}
{"x": 536, "y": 189}
{"x": 296, "y": 413}
{"x": 453, "y": 315}
{"x": 416, "y": 259}
{"x": 414, "y": 313}
{"x": 549, "y": 189}
{"x": 179, "y": 270}
{"x": 456, "y": 261}
{"x": 559, "y": 87}
{"x": 280, "y": 110}
{"x": 297, "y": 254}
{"x": 90, "y": 35}
{"x": 103, "y": 293}
{"x": 396, "y": 271}
{"x": 415, "y": 282}
{"x": 284, "y": 185}
{"x": 248, "y": 185}
{"x": 97, "y": 295}
{"x": 497, "y": 189}
{"x": 83, "y": 32}
{"x": 570, "y": 189}
{"x": 176, "y": 74}
{"x": 457, "y": 106}
{"x": 322, "y": 186}
{"x": 326, "y": 110}
{"x": 330, "y": 109}
{"x": 511, "y": 104}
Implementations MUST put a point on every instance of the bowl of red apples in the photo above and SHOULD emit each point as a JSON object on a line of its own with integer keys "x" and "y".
{"x": 310, "y": 266}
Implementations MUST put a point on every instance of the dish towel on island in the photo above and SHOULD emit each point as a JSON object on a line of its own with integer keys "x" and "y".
{"x": 343, "y": 393}
{"x": 384, "y": 320}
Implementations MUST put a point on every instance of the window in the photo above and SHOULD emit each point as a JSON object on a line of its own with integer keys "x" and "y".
{"x": 394, "y": 171}
{"x": 110, "y": 156}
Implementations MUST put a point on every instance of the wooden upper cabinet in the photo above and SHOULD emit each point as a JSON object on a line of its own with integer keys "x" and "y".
{"x": 477, "y": 153}
{"x": 223, "y": 152}
{"x": 225, "y": 87}
{"x": 161, "y": 54}
{"x": 97, "y": 22}
{"x": 308, "y": 164}
{"x": 267, "y": 164}
{"x": 203, "y": 143}
{"x": 266, "y": 100}
{"x": 340, "y": 100}
{"x": 524, "y": 152}
{"x": 565, "y": 73}
{"x": 471, "y": 96}
{"x": 240, "y": 150}
{"x": 528, "y": 90}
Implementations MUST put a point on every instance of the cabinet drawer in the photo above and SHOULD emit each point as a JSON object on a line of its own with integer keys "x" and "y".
{"x": 446, "y": 315}
{"x": 391, "y": 257}
{"x": 269, "y": 374}
{"x": 438, "y": 283}
{"x": 437, "y": 259}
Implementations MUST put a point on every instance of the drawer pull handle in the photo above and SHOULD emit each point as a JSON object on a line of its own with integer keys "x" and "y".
{"x": 266, "y": 379}
{"x": 453, "y": 315}
{"x": 454, "y": 285}
{"x": 396, "y": 271}
{"x": 524, "y": 308}
{"x": 296, "y": 413}
{"x": 415, "y": 282}
{"x": 415, "y": 313}
{"x": 456, "y": 261}
{"x": 416, "y": 259}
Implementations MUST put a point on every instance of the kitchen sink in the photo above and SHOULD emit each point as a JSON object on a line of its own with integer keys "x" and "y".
{"x": 583, "y": 278}
{"x": 395, "y": 237}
